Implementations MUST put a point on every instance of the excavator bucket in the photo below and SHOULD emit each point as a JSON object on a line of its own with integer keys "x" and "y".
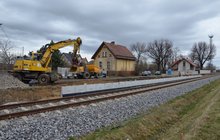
{"x": 73, "y": 69}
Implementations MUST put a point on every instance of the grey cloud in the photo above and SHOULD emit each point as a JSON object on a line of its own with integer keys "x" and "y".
{"x": 95, "y": 21}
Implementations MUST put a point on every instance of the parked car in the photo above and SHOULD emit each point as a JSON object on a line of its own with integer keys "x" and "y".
{"x": 157, "y": 73}
{"x": 146, "y": 73}
{"x": 103, "y": 75}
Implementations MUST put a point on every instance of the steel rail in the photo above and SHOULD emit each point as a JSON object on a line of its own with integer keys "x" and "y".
{"x": 89, "y": 101}
{"x": 85, "y": 94}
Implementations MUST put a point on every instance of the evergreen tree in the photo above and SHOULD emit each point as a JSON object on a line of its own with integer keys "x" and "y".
{"x": 56, "y": 60}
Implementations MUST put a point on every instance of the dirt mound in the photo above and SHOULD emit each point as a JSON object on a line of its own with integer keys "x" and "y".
{"x": 8, "y": 81}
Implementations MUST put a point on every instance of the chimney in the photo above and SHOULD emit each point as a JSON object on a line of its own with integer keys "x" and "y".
{"x": 113, "y": 42}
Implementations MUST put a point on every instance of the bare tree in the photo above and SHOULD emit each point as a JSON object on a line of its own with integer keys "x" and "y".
{"x": 201, "y": 52}
{"x": 139, "y": 50}
{"x": 6, "y": 56}
{"x": 174, "y": 55}
{"x": 160, "y": 51}
{"x": 143, "y": 66}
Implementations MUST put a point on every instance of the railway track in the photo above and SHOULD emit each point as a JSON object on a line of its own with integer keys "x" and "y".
{"x": 28, "y": 108}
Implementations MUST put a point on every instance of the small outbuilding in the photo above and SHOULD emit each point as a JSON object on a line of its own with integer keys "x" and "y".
{"x": 184, "y": 66}
{"x": 114, "y": 59}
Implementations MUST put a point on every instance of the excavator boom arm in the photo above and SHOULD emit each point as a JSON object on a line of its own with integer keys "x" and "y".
{"x": 56, "y": 46}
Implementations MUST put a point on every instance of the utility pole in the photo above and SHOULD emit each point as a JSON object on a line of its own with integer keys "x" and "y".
{"x": 22, "y": 51}
{"x": 210, "y": 43}
{"x": 0, "y": 25}
{"x": 210, "y": 39}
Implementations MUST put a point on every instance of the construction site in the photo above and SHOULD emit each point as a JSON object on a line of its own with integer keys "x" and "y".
{"x": 84, "y": 96}
{"x": 104, "y": 71}
{"x": 90, "y": 93}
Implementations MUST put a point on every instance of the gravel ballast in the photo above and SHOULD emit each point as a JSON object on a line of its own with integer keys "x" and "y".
{"x": 8, "y": 81}
{"x": 82, "y": 120}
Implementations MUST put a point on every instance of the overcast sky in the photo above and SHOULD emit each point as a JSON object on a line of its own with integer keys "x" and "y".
{"x": 33, "y": 23}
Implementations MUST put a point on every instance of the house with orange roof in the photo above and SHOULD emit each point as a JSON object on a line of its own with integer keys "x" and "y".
{"x": 114, "y": 59}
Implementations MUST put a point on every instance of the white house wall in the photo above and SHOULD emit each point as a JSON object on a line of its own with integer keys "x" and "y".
{"x": 186, "y": 70}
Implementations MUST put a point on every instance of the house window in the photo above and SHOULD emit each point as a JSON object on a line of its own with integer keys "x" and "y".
{"x": 110, "y": 55}
{"x": 191, "y": 67}
{"x": 98, "y": 56}
{"x": 104, "y": 54}
{"x": 108, "y": 65}
{"x": 100, "y": 64}
{"x": 184, "y": 63}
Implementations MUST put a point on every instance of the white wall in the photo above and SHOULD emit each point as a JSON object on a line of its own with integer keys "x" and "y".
{"x": 205, "y": 71}
{"x": 70, "y": 90}
{"x": 186, "y": 70}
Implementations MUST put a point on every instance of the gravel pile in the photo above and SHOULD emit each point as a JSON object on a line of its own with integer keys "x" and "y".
{"x": 8, "y": 81}
{"x": 82, "y": 120}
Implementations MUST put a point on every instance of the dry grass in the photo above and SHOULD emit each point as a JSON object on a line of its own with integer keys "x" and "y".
{"x": 29, "y": 94}
{"x": 195, "y": 115}
{"x": 42, "y": 92}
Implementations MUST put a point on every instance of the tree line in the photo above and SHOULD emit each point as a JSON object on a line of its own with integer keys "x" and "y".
{"x": 6, "y": 56}
{"x": 163, "y": 53}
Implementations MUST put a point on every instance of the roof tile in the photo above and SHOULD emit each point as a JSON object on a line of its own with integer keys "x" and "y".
{"x": 119, "y": 51}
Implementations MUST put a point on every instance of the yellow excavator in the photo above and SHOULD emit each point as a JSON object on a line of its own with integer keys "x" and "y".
{"x": 36, "y": 68}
